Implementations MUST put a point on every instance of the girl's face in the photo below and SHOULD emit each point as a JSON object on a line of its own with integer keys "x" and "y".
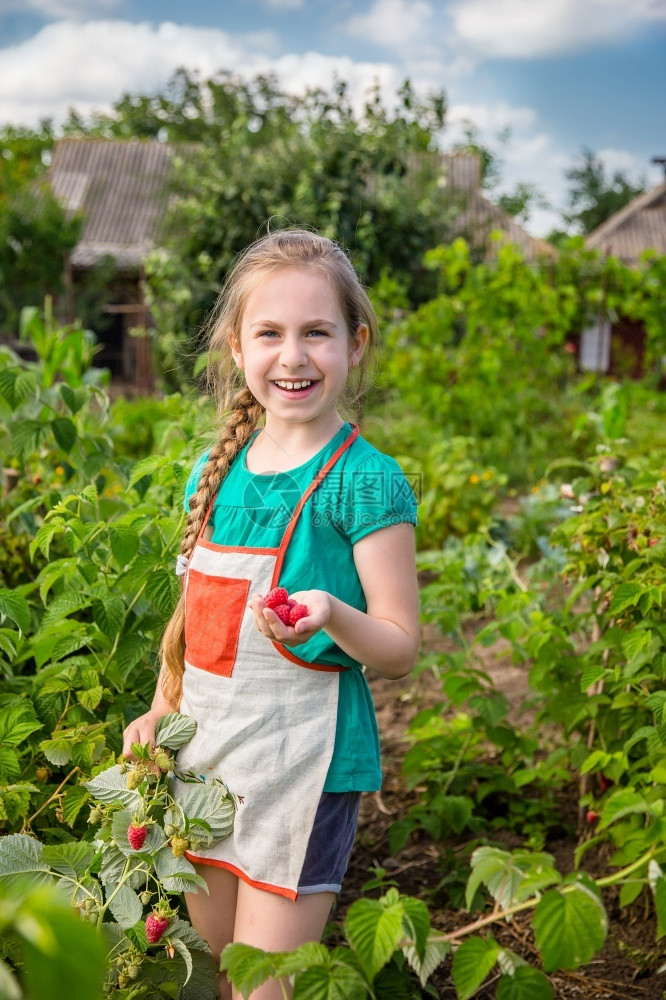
{"x": 295, "y": 348}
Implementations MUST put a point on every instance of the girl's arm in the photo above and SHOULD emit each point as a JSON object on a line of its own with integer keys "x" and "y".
{"x": 386, "y": 637}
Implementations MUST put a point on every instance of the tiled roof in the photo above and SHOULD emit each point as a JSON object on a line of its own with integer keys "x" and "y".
{"x": 639, "y": 226}
{"x": 119, "y": 185}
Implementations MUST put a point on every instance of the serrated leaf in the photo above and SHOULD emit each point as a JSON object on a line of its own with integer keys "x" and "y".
{"x": 175, "y": 730}
{"x": 248, "y": 967}
{"x": 623, "y": 802}
{"x": 72, "y": 802}
{"x": 209, "y": 802}
{"x": 124, "y": 904}
{"x": 17, "y": 722}
{"x": 203, "y": 983}
{"x": 569, "y": 928}
{"x": 69, "y": 859}
{"x": 424, "y": 965}
{"x": 163, "y": 589}
{"x": 10, "y": 767}
{"x": 184, "y": 952}
{"x": 111, "y": 786}
{"x": 15, "y": 607}
{"x": 374, "y": 930}
{"x": 416, "y": 921}
{"x": 91, "y": 697}
{"x": 67, "y": 603}
{"x": 471, "y": 964}
{"x": 146, "y": 467}
{"x": 626, "y": 595}
{"x": 629, "y": 892}
{"x": 333, "y": 982}
{"x": 109, "y": 615}
{"x": 509, "y": 961}
{"x": 525, "y": 984}
{"x": 124, "y": 542}
{"x": 64, "y": 432}
{"x": 21, "y": 856}
{"x": 58, "y": 751}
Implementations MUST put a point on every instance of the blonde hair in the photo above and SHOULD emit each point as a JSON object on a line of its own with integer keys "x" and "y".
{"x": 239, "y": 411}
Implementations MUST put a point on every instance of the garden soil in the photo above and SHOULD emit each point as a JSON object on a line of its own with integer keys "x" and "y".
{"x": 626, "y": 968}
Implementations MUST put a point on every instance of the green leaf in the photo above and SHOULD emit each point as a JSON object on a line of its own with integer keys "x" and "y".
{"x": 163, "y": 589}
{"x": 69, "y": 955}
{"x": 373, "y": 929}
{"x": 15, "y": 606}
{"x": 569, "y": 927}
{"x": 72, "y": 398}
{"x": 10, "y": 766}
{"x": 207, "y": 801}
{"x": 109, "y": 615}
{"x": 175, "y": 730}
{"x": 248, "y": 967}
{"x": 202, "y": 984}
{"x": 416, "y": 921}
{"x": 471, "y": 964}
{"x": 110, "y": 786}
{"x": 21, "y": 855}
{"x": 433, "y": 955}
{"x": 623, "y": 802}
{"x": 63, "y": 605}
{"x": 146, "y": 467}
{"x": 626, "y": 595}
{"x": 72, "y": 802}
{"x": 332, "y": 982}
{"x": 124, "y": 904}
{"x": 184, "y": 952}
{"x": 64, "y": 432}
{"x": 630, "y": 891}
{"x": 124, "y": 543}
{"x": 69, "y": 859}
{"x": 17, "y": 722}
{"x": 525, "y": 984}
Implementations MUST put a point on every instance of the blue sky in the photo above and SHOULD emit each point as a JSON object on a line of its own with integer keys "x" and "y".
{"x": 559, "y": 73}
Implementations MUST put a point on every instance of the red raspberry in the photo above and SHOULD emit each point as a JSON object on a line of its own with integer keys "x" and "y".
{"x": 283, "y": 611}
{"x": 291, "y": 602}
{"x": 136, "y": 834}
{"x": 592, "y": 817}
{"x": 155, "y": 927}
{"x": 297, "y": 612}
{"x": 276, "y": 597}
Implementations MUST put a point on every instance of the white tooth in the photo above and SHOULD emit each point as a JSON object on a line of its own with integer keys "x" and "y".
{"x": 293, "y": 385}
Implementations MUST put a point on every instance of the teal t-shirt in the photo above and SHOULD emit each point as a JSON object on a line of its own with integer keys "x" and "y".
{"x": 364, "y": 491}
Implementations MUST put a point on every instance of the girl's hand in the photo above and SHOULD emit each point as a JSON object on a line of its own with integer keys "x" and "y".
{"x": 318, "y": 602}
{"x": 141, "y": 730}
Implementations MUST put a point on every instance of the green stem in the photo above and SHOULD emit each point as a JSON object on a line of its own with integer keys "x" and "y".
{"x": 532, "y": 902}
{"x": 110, "y": 898}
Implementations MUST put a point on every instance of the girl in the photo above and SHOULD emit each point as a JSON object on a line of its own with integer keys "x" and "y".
{"x": 290, "y": 496}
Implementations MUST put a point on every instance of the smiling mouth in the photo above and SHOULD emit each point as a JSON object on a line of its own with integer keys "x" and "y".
{"x": 294, "y": 385}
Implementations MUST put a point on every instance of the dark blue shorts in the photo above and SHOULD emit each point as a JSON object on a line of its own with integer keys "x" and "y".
{"x": 330, "y": 842}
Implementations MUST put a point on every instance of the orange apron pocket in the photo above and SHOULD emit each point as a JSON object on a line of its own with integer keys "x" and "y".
{"x": 214, "y": 609}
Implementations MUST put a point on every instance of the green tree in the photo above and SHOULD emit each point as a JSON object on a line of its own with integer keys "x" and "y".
{"x": 594, "y": 194}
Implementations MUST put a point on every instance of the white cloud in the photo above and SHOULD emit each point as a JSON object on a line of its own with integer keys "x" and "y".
{"x": 393, "y": 23}
{"x": 533, "y": 28}
{"x": 88, "y": 66}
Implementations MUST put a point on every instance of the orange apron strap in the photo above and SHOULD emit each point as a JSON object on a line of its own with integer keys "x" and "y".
{"x": 319, "y": 478}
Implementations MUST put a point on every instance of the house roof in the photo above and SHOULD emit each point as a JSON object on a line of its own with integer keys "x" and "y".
{"x": 639, "y": 226}
{"x": 119, "y": 186}
{"x": 479, "y": 217}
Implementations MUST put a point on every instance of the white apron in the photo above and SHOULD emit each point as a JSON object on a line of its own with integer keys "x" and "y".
{"x": 265, "y": 718}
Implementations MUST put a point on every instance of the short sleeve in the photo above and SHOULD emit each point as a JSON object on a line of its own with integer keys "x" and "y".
{"x": 193, "y": 479}
{"x": 376, "y": 494}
